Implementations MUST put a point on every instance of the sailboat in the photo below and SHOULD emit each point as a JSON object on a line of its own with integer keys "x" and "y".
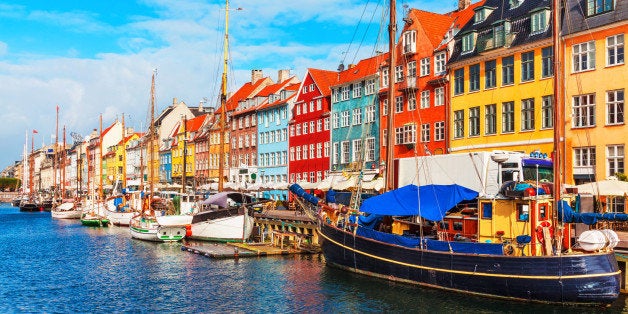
{"x": 29, "y": 201}
{"x": 520, "y": 249}
{"x": 121, "y": 208}
{"x": 152, "y": 223}
{"x": 218, "y": 221}
{"x": 93, "y": 208}
{"x": 67, "y": 209}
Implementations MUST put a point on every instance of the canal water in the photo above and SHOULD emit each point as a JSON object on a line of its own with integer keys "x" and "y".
{"x": 59, "y": 266}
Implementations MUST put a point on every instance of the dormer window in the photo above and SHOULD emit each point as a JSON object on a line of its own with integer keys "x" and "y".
{"x": 515, "y": 3}
{"x": 409, "y": 42}
{"x": 501, "y": 34}
{"x": 481, "y": 13}
{"x": 468, "y": 42}
{"x": 599, "y": 6}
{"x": 540, "y": 20}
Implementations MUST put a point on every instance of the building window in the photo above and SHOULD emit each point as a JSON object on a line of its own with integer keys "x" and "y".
{"x": 425, "y": 99}
{"x": 539, "y": 21}
{"x": 344, "y": 94}
{"x": 458, "y": 123}
{"x": 439, "y": 96}
{"x": 399, "y": 73}
{"x": 468, "y": 43}
{"x": 425, "y": 66}
{"x": 411, "y": 102}
{"x": 547, "y": 62}
{"x": 615, "y": 107}
{"x": 357, "y": 150}
{"x": 474, "y": 121}
{"x": 615, "y": 50}
{"x": 336, "y": 157}
{"x": 615, "y": 160}
{"x": 298, "y": 152}
{"x": 508, "y": 70}
{"x": 583, "y": 56}
{"x": 425, "y": 132}
{"x": 439, "y": 131}
{"x": 480, "y": 15}
{"x": 357, "y": 116}
{"x": 412, "y": 69}
{"x": 459, "y": 81}
{"x": 398, "y": 104}
{"x": 409, "y": 42}
{"x": 385, "y": 106}
{"x": 584, "y": 110}
{"x": 490, "y": 119}
{"x": 384, "y": 137}
{"x": 344, "y": 153}
{"x": 405, "y": 134}
{"x": 370, "y": 149}
{"x": 335, "y": 120}
{"x": 326, "y": 149}
{"x": 474, "y": 77}
{"x": 344, "y": 119}
{"x": 305, "y": 131}
{"x": 508, "y": 117}
{"x": 357, "y": 92}
{"x": 599, "y": 6}
{"x": 547, "y": 112}
{"x": 319, "y": 127}
{"x": 370, "y": 87}
{"x": 584, "y": 158}
{"x": 369, "y": 114}
{"x": 489, "y": 74}
{"x": 527, "y": 66}
{"x": 439, "y": 62}
{"x": 385, "y": 77}
{"x": 527, "y": 114}
{"x": 326, "y": 124}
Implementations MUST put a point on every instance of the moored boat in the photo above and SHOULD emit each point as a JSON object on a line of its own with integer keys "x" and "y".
{"x": 225, "y": 218}
{"x": 67, "y": 210}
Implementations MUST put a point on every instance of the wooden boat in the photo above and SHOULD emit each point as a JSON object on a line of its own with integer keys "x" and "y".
{"x": 224, "y": 218}
{"x": 92, "y": 219}
{"x": 67, "y": 210}
{"x": 517, "y": 245}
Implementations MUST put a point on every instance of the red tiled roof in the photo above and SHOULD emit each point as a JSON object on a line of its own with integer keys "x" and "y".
{"x": 323, "y": 79}
{"x": 194, "y": 124}
{"x": 363, "y": 69}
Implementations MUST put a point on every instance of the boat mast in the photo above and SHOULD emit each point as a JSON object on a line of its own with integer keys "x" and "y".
{"x": 185, "y": 149}
{"x": 151, "y": 130}
{"x": 123, "y": 174}
{"x": 63, "y": 156}
{"x": 390, "y": 154}
{"x": 100, "y": 159}
{"x": 558, "y": 111}
{"x": 223, "y": 101}
{"x": 31, "y": 166}
{"x": 55, "y": 157}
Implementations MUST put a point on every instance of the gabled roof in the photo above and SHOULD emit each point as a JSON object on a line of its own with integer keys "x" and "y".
{"x": 364, "y": 68}
{"x": 323, "y": 79}
{"x": 194, "y": 124}
{"x": 245, "y": 91}
{"x": 575, "y": 19}
{"x": 517, "y": 16}
{"x": 105, "y": 131}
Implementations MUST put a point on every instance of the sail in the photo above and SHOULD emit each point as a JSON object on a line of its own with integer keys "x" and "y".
{"x": 429, "y": 201}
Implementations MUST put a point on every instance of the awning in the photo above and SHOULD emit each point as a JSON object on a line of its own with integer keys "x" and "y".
{"x": 429, "y": 201}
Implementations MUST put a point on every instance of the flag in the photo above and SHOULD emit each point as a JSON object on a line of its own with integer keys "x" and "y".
{"x": 35, "y": 131}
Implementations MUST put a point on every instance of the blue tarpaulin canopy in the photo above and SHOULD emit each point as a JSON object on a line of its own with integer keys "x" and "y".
{"x": 435, "y": 201}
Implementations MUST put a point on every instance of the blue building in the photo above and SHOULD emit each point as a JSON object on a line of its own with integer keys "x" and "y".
{"x": 272, "y": 133}
{"x": 355, "y": 125}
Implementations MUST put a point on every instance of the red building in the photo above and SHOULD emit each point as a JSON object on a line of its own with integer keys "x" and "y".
{"x": 420, "y": 82}
{"x": 311, "y": 113}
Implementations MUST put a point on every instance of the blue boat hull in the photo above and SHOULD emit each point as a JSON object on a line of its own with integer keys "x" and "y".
{"x": 566, "y": 279}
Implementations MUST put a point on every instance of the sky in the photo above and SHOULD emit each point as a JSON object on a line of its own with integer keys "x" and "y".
{"x": 93, "y": 58}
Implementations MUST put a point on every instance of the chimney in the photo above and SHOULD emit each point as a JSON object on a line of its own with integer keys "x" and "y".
{"x": 200, "y": 106}
{"x": 256, "y": 75}
{"x": 463, "y": 4}
{"x": 283, "y": 75}
{"x": 174, "y": 101}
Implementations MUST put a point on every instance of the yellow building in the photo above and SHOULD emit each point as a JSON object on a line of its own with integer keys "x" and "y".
{"x": 501, "y": 75}
{"x": 114, "y": 160}
{"x": 185, "y": 163}
{"x": 596, "y": 78}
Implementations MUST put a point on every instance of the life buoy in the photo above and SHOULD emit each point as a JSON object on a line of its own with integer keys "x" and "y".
{"x": 509, "y": 249}
{"x": 539, "y": 230}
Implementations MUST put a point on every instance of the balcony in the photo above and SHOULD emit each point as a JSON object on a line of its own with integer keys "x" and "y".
{"x": 408, "y": 84}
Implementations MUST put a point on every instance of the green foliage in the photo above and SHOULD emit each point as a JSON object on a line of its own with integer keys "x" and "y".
{"x": 621, "y": 176}
{"x": 9, "y": 184}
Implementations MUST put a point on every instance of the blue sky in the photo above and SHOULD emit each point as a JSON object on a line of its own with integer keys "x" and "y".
{"x": 97, "y": 57}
